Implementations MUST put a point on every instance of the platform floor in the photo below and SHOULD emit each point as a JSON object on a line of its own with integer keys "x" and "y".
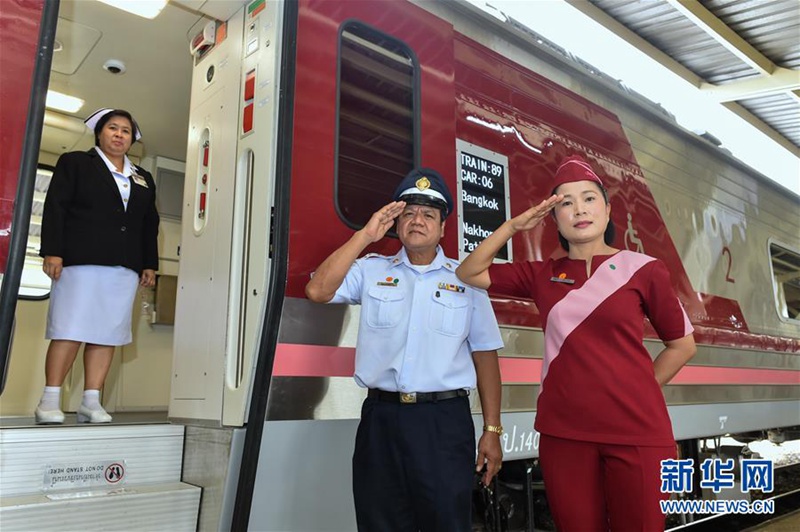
{"x": 119, "y": 418}
{"x": 785, "y": 523}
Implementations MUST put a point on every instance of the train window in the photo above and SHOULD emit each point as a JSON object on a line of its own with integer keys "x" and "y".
{"x": 786, "y": 280}
{"x": 34, "y": 284}
{"x": 378, "y": 110}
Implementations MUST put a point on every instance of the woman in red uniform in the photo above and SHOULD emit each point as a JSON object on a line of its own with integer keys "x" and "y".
{"x": 601, "y": 413}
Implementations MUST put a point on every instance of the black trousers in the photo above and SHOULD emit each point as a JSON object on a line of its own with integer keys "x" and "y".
{"x": 414, "y": 466}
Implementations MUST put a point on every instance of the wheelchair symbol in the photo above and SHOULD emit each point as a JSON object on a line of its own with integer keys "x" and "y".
{"x": 632, "y": 241}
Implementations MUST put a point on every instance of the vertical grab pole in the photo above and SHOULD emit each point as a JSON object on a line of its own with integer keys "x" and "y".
{"x": 23, "y": 202}
{"x": 529, "y": 494}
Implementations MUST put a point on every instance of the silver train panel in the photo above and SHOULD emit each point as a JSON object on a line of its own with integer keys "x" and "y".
{"x": 304, "y": 476}
{"x": 325, "y": 398}
{"x": 709, "y": 205}
{"x": 307, "y": 323}
{"x": 304, "y": 322}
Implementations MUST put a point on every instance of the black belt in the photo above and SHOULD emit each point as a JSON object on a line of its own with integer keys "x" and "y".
{"x": 416, "y": 397}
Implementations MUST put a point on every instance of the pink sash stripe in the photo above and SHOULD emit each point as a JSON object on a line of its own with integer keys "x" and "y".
{"x": 687, "y": 325}
{"x": 569, "y": 313}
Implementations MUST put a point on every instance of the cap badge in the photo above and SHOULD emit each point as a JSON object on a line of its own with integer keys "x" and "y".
{"x": 423, "y": 183}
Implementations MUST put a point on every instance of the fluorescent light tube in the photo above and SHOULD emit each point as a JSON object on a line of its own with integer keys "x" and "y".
{"x": 63, "y": 102}
{"x": 143, "y": 8}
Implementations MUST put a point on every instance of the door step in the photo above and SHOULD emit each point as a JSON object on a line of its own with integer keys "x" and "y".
{"x": 170, "y": 507}
{"x": 95, "y": 477}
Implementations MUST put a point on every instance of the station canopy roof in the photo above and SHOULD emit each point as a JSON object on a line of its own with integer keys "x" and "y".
{"x": 744, "y": 53}
{"x": 684, "y": 54}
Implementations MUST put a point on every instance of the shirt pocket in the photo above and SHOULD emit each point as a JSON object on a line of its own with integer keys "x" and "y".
{"x": 385, "y": 307}
{"x": 449, "y": 312}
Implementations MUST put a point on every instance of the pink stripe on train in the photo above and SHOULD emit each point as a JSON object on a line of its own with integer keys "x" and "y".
{"x": 299, "y": 360}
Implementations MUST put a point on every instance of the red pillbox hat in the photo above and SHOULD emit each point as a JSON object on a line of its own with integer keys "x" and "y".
{"x": 574, "y": 168}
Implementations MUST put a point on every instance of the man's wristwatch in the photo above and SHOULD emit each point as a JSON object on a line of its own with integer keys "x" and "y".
{"x": 497, "y": 429}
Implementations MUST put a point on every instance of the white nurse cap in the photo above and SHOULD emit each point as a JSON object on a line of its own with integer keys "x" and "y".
{"x": 91, "y": 121}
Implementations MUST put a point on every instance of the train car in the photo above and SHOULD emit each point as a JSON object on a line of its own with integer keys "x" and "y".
{"x": 302, "y": 118}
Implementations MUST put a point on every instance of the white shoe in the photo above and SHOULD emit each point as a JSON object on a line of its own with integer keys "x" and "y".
{"x": 49, "y": 417}
{"x": 87, "y": 415}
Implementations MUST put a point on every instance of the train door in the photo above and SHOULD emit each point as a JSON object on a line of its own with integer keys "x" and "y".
{"x": 86, "y": 35}
{"x": 225, "y": 245}
{"x": 366, "y": 73}
{"x": 62, "y": 478}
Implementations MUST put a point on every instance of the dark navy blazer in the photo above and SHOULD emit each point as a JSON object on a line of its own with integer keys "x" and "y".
{"x": 84, "y": 220}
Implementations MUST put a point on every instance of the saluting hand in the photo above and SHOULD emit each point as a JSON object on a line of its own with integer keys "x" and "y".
{"x": 52, "y": 267}
{"x": 383, "y": 220}
{"x": 530, "y": 218}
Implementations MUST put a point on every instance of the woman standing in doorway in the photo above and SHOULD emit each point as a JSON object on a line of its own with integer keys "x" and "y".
{"x": 601, "y": 413}
{"x": 99, "y": 242}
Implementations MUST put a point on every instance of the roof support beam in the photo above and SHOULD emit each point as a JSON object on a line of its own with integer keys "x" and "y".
{"x": 723, "y": 34}
{"x": 763, "y": 127}
{"x": 781, "y": 80}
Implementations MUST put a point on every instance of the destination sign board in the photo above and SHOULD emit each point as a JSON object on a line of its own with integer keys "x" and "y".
{"x": 483, "y": 197}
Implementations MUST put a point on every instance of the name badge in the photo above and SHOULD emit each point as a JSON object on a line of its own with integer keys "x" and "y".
{"x": 562, "y": 280}
{"x": 139, "y": 180}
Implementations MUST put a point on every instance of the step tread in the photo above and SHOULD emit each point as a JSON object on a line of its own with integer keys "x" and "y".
{"x": 150, "y": 454}
{"x": 73, "y": 495}
{"x": 87, "y": 432}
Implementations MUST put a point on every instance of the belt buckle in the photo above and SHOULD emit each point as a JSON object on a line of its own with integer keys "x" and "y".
{"x": 408, "y": 398}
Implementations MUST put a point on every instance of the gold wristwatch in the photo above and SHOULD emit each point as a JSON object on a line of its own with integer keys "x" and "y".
{"x": 497, "y": 429}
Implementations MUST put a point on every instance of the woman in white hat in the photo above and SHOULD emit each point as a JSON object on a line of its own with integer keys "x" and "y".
{"x": 99, "y": 242}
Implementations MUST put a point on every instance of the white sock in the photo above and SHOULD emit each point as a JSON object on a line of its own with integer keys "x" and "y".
{"x": 91, "y": 399}
{"x": 51, "y": 398}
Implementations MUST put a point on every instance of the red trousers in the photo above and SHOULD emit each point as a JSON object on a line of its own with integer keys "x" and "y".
{"x": 599, "y": 487}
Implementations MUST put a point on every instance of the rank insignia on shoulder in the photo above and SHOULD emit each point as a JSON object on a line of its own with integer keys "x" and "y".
{"x": 562, "y": 280}
{"x": 452, "y": 287}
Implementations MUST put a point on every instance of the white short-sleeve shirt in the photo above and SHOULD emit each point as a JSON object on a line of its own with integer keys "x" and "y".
{"x": 417, "y": 330}
{"x": 122, "y": 179}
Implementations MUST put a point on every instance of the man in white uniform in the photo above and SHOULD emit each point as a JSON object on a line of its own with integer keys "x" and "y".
{"x": 425, "y": 339}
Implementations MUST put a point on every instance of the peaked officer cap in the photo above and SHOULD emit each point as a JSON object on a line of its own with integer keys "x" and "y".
{"x": 424, "y": 186}
{"x": 574, "y": 168}
{"x": 94, "y": 118}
